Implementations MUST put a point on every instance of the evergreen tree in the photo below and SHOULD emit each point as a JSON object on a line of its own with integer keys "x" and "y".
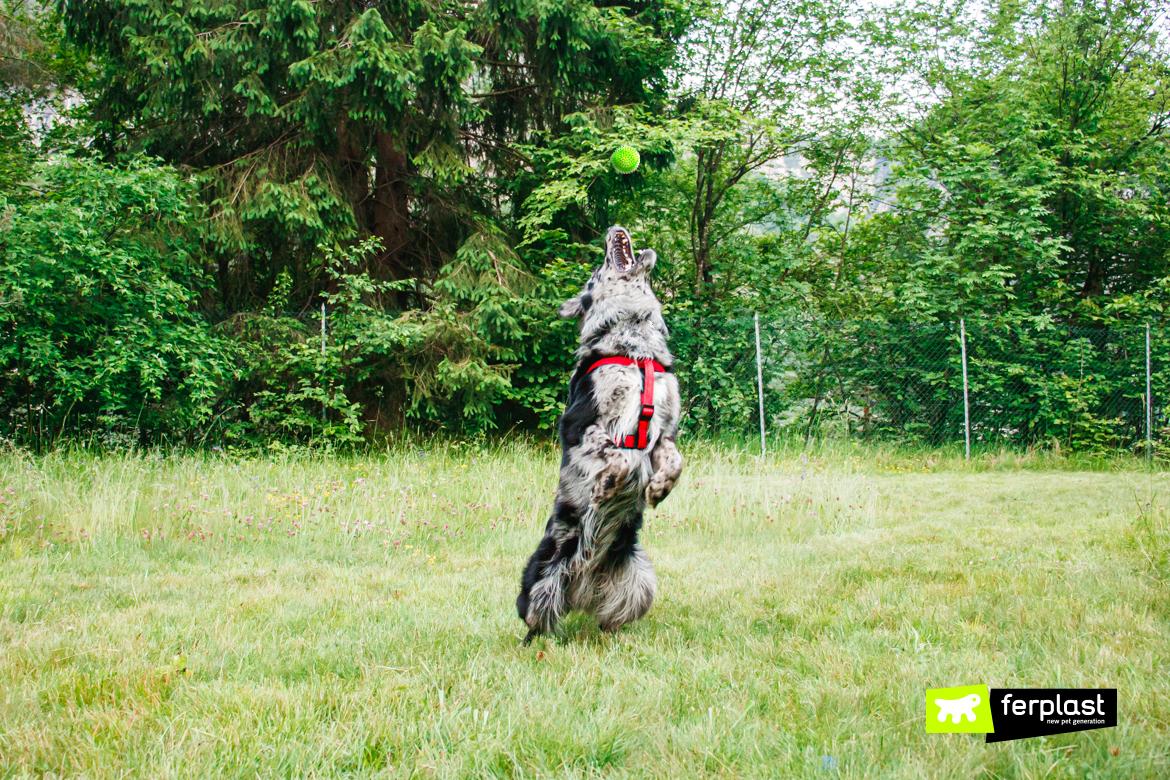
{"x": 319, "y": 122}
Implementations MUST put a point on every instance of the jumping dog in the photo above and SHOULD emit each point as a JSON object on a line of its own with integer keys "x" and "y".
{"x": 618, "y": 452}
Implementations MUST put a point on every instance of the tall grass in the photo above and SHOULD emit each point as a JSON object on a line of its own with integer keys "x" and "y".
{"x": 244, "y": 615}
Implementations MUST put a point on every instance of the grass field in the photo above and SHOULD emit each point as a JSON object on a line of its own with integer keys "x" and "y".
{"x": 263, "y": 617}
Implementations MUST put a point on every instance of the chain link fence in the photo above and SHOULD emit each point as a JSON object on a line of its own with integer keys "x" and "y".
{"x": 1085, "y": 388}
{"x": 1082, "y": 387}
{"x": 807, "y": 379}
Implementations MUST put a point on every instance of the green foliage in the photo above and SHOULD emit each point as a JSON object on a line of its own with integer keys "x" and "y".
{"x": 320, "y": 123}
{"x": 98, "y": 282}
{"x": 32, "y": 63}
{"x": 570, "y": 207}
{"x": 374, "y": 368}
{"x": 34, "y": 57}
{"x": 469, "y": 335}
{"x": 16, "y": 150}
{"x": 1074, "y": 388}
{"x": 1038, "y": 184}
{"x": 426, "y": 126}
{"x": 438, "y": 175}
{"x": 995, "y": 247}
{"x": 715, "y": 360}
{"x": 304, "y": 380}
{"x": 1031, "y": 204}
{"x": 540, "y": 383}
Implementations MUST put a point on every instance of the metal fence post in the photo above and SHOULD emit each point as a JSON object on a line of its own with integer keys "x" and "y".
{"x": 760, "y": 387}
{"x": 1149, "y": 400}
{"x": 324, "y": 413}
{"x": 966, "y": 402}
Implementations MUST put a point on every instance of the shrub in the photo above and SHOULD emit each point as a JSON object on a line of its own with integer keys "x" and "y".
{"x": 98, "y": 285}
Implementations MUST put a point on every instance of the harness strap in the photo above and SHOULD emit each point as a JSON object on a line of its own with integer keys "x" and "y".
{"x": 648, "y": 367}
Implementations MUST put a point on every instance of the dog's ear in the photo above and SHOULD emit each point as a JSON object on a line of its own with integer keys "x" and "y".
{"x": 647, "y": 258}
{"x": 572, "y": 308}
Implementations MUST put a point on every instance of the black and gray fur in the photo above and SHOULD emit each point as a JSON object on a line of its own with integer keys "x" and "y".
{"x": 590, "y": 558}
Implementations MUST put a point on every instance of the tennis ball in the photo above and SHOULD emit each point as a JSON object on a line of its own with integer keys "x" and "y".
{"x": 625, "y": 159}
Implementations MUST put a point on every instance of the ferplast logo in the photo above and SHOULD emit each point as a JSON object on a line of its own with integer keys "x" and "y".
{"x": 962, "y": 710}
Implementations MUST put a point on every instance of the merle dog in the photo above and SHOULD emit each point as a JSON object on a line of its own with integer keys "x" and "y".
{"x": 590, "y": 558}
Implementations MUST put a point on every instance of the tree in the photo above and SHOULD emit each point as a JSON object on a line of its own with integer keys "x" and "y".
{"x": 759, "y": 80}
{"x": 37, "y": 72}
{"x": 315, "y": 123}
{"x": 1036, "y": 184}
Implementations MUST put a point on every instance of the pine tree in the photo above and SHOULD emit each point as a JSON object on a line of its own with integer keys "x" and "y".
{"x": 319, "y": 122}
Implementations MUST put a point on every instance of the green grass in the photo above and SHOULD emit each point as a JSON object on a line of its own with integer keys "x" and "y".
{"x": 224, "y": 616}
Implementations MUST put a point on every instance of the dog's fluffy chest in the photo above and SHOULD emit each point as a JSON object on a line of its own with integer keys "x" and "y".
{"x": 617, "y": 392}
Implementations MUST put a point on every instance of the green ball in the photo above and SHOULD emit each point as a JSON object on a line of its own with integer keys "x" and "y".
{"x": 625, "y": 159}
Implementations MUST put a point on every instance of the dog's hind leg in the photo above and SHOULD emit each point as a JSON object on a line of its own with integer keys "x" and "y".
{"x": 546, "y": 604}
{"x": 541, "y": 603}
{"x": 627, "y": 591}
{"x": 546, "y": 601}
{"x": 533, "y": 572}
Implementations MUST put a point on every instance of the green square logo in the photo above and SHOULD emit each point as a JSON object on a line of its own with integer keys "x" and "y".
{"x": 962, "y": 710}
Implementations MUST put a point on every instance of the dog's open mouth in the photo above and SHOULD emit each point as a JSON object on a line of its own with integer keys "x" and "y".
{"x": 623, "y": 256}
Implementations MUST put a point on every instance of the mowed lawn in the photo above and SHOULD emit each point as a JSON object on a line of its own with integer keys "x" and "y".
{"x": 275, "y": 616}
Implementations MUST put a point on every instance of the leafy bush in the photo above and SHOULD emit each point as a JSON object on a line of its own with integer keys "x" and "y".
{"x": 446, "y": 366}
{"x": 98, "y": 284}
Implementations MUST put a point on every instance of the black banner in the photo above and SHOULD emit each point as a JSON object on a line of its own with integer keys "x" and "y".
{"x": 1019, "y": 713}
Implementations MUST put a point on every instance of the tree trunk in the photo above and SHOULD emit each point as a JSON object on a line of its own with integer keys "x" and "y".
{"x": 391, "y": 217}
{"x": 1094, "y": 285}
{"x": 223, "y": 269}
{"x": 702, "y": 214}
{"x": 702, "y": 256}
{"x": 353, "y": 159}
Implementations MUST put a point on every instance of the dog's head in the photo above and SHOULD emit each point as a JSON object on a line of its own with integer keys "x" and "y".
{"x": 623, "y": 272}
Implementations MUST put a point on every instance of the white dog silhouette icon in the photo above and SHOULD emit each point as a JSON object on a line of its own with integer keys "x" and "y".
{"x": 958, "y": 709}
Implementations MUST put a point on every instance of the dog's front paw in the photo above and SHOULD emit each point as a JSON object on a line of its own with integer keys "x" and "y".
{"x": 610, "y": 478}
{"x": 659, "y": 488}
{"x": 596, "y": 442}
{"x": 614, "y": 470}
{"x": 667, "y": 464}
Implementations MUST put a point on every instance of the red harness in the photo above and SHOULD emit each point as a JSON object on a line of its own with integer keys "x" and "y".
{"x": 648, "y": 368}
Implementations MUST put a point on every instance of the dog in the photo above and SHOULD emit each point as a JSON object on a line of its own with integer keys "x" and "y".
{"x": 618, "y": 452}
